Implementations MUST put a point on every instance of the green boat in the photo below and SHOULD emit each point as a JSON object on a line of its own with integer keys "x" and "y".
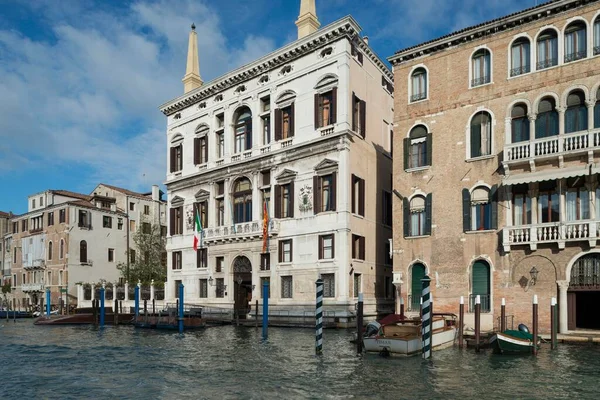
{"x": 512, "y": 342}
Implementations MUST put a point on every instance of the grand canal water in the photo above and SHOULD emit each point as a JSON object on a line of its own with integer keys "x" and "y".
{"x": 233, "y": 362}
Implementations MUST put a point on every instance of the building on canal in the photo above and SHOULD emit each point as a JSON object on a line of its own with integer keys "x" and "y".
{"x": 4, "y": 225}
{"x": 67, "y": 237}
{"x": 497, "y": 149}
{"x": 302, "y": 135}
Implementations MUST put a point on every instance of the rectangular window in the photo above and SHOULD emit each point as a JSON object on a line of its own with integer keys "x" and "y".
{"x": 220, "y": 144}
{"x": 417, "y": 153}
{"x": 202, "y": 258}
{"x": 85, "y": 219}
{"x": 287, "y": 288}
{"x": 265, "y": 262}
{"x": 284, "y": 201}
{"x": 24, "y": 225}
{"x": 62, "y": 216}
{"x": 176, "y": 260}
{"x": 264, "y": 279}
{"x": 285, "y": 251}
{"x": 266, "y": 178}
{"x": 521, "y": 206}
{"x": 326, "y": 247}
{"x": 131, "y": 206}
{"x": 357, "y": 284}
{"x": 219, "y": 263}
{"x": 220, "y": 287}
{"x": 50, "y": 218}
{"x": 548, "y": 207}
{"x": 266, "y": 129}
{"x": 106, "y": 221}
{"x": 359, "y": 116}
{"x": 176, "y": 158}
{"x": 328, "y": 285}
{"x": 577, "y": 204}
{"x": 200, "y": 150}
{"x": 220, "y": 120}
{"x": 41, "y": 201}
{"x": 202, "y": 208}
{"x": 386, "y": 209}
{"x": 132, "y": 226}
{"x": 203, "y": 291}
{"x": 220, "y": 205}
{"x": 325, "y": 112}
{"x": 120, "y": 224}
{"x": 111, "y": 255}
{"x": 33, "y": 203}
{"x": 15, "y": 228}
{"x": 481, "y": 216}
{"x": 358, "y": 247}
{"x": 132, "y": 256}
{"x": 287, "y": 123}
{"x": 176, "y": 220}
{"x": 358, "y": 195}
{"x": 146, "y": 210}
{"x": 324, "y": 193}
{"x": 146, "y": 228}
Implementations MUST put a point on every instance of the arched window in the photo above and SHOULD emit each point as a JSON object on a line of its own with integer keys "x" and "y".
{"x": 576, "y": 114}
{"x": 597, "y": 110}
{"x": 480, "y": 285}
{"x": 597, "y": 36}
{"x": 546, "y": 123}
{"x": 585, "y": 273}
{"x": 480, "y": 208}
{"x": 417, "y": 273}
{"x": 481, "y": 134}
{"x": 417, "y": 148}
{"x": 83, "y": 251}
{"x": 242, "y": 201}
{"x": 243, "y": 130}
{"x": 61, "y": 250}
{"x": 547, "y": 49}
{"x": 417, "y": 216}
{"x": 201, "y": 145}
{"x": 481, "y": 67}
{"x": 519, "y": 123}
{"x": 418, "y": 84}
{"x": 49, "y": 251}
{"x": 176, "y": 154}
{"x": 520, "y": 54}
{"x": 575, "y": 41}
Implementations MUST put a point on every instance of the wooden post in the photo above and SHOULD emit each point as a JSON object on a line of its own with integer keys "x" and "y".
{"x": 461, "y": 321}
{"x": 116, "y": 311}
{"x": 503, "y": 315}
{"x": 359, "y": 323}
{"x": 256, "y": 315}
{"x": 535, "y": 323}
{"x": 153, "y": 306}
{"x": 477, "y": 321}
{"x": 553, "y": 324}
{"x": 402, "y": 306}
{"x": 94, "y": 312}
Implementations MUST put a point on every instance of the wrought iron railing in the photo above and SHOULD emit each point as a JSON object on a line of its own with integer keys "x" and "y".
{"x": 519, "y": 70}
{"x": 484, "y": 300}
{"x": 547, "y": 63}
{"x": 577, "y": 55}
{"x": 480, "y": 81}
{"x": 414, "y": 303}
{"x": 418, "y": 96}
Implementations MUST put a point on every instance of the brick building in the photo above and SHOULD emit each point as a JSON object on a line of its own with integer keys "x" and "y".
{"x": 496, "y": 172}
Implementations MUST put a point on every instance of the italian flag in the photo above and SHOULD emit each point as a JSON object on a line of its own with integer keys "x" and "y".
{"x": 198, "y": 232}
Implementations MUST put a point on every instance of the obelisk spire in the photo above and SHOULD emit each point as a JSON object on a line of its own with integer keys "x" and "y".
{"x": 307, "y": 21}
{"x": 192, "y": 79}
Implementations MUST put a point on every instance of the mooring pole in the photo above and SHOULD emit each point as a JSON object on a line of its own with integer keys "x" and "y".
{"x": 535, "y": 323}
{"x": 553, "y": 323}
{"x": 153, "y": 307}
{"x": 503, "y": 315}
{"x": 461, "y": 322}
{"x": 94, "y": 312}
{"x": 319, "y": 318}
{"x": 115, "y": 311}
{"x": 256, "y": 315}
{"x": 477, "y": 322}
{"x": 431, "y": 304}
{"x": 102, "y": 310}
{"x": 426, "y": 317}
{"x": 145, "y": 310}
{"x": 265, "y": 319}
{"x": 181, "y": 308}
{"x": 402, "y": 306}
{"x": 421, "y": 307}
{"x": 137, "y": 301}
{"x": 48, "y": 304}
{"x": 359, "y": 323}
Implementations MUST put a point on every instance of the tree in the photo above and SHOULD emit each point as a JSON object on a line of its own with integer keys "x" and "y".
{"x": 6, "y": 288}
{"x": 150, "y": 262}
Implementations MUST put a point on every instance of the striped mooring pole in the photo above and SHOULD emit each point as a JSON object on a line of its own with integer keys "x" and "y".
{"x": 102, "y": 309}
{"x": 265, "y": 316}
{"x": 137, "y": 301}
{"x": 48, "y": 304}
{"x": 319, "y": 318}
{"x": 553, "y": 324}
{"x": 426, "y": 318}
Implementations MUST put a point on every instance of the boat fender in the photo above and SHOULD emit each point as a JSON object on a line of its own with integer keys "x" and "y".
{"x": 385, "y": 352}
{"x": 523, "y": 328}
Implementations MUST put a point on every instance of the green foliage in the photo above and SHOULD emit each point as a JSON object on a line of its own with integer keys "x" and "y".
{"x": 6, "y": 288}
{"x": 150, "y": 258}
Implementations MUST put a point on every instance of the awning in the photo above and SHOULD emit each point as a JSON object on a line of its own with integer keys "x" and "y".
{"x": 549, "y": 175}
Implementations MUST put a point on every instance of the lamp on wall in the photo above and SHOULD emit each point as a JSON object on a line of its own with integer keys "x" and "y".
{"x": 219, "y": 285}
{"x": 534, "y": 274}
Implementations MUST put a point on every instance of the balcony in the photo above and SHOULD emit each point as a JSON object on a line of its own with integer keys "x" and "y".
{"x": 551, "y": 232}
{"x": 570, "y": 144}
{"x": 34, "y": 264}
{"x": 244, "y": 231}
{"x": 32, "y": 287}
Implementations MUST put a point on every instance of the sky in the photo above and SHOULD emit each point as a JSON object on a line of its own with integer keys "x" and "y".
{"x": 81, "y": 80}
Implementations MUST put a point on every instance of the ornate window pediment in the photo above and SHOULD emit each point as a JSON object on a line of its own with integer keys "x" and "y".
{"x": 326, "y": 165}
{"x": 327, "y": 82}
{"x": 286, "y": 175}
{"x": 202, "y": 195}
{"x": 285, "y": 98}
{"x": 177, "y": 201}
{"x": 202, "y": 130}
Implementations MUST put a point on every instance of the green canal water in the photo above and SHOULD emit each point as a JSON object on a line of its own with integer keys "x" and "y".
{"x": 234, "y": 363}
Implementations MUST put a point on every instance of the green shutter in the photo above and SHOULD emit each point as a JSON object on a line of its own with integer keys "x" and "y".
{"x": 428, "y": 214}
{"x": 480, "y": 278}
{"x": 466, "y": 200}
{"x": 429, "y": 149}
{"x": 418, "y": 272}
{"x": 493, "y": 196}
{"x": 405, "y": 206}
{"x": 406, "y": 145}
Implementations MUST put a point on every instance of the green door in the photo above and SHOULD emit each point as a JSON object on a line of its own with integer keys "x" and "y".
{"x": 418, "y": 272}
{"x": 481, "y": 284}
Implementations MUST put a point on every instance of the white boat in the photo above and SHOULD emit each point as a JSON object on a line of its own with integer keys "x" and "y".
{"x": 396, "y": 335}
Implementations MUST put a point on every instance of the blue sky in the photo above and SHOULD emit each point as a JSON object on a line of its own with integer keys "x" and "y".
{"x": 81, "y": 80}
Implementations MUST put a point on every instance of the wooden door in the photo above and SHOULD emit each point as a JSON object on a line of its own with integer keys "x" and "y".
{"x": 571, "y": 310}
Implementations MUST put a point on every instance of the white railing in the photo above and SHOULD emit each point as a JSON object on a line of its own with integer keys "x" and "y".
{"x": 551, "y": 232}
{"x": 555, "y": 145}
{"x": 32, "y": 287}
{"x": 219, "y": 162}
{"x": 327, "y": 130}
{"x": 236, "y": 157}
{"x": 243, "y": 230}
{"x": 39, "y": 263}
{"x": 265, "y": 149}
{"x": 247, "y": 154}
{"x": 287, "y": 143}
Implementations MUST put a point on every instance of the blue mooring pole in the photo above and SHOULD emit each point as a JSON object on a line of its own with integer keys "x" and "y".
{"x": 319, "y": 318}
{"x": 180, "y": 308}
{"x": 137, "y": 301}
{"x": 265, "y": 322}
{"x": 47, "y": 302}
{"x": 102, "y": 292}
{"x": 426, "y": 318}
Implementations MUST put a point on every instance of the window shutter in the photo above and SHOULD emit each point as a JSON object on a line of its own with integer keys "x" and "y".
{"x": 173, "y": 260}
{"x": 362, "y": 247}
{"x": 333, "y": 191}
{"x": 466, "y": 199}
{"x": 206, "y": 148}
{"x": 317, "y": 125}
{"x": 353, "y": 200}
{"x": 321, "y": 247}
{"x": 292, "y": 118}
{"x": 180, "y": 224}
{"x": 418, "y": 273}
{"x": 429, "y": 150}
{"x": 480, "y": 276}
{"x": 317, "y": 194}
{"x": 361, "y": 197}
{"x": 332, "y": 246}
{"x": 172, "y": 221}
{"x": 291, "y": 199}
{"x": 363, "y": 118}
{"x": 494, "y": 204}
{"x": 277, "y": 201}
{"x": 205, "y": 258}
{"x": 475, "y": 140}
{"x": 428, "y": 211}
{"x": 353, "y": 112}
{"x": 172, "y": 159}
{"x": 333, "y": 105}
{"x": 280, "y": 251}
{"x": 196, "y": 151}
{"x": 406, "y": 147}
{"x": 291, "y": 250}
{"x": 249, "y": 135}
{"x": 277, "y": 124}
{"x": 406, "y": 207}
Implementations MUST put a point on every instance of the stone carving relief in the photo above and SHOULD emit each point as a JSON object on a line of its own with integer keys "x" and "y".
{"x": 306, "y": 198}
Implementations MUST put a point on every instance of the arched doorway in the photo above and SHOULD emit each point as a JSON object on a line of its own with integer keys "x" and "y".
{"x": 584, "y": 293}
{"x": 242, "y": 283}
{"x": 480, "y": 285}
{"x": 416, "y": 286}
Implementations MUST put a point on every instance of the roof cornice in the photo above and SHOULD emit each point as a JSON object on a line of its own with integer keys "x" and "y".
{"x": 344, "y": 27}
{"x": 494, "y": 26}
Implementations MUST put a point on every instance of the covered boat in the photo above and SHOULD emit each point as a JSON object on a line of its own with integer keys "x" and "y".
{"x": 513, "y": 341}
{"x": 397, "y": 335}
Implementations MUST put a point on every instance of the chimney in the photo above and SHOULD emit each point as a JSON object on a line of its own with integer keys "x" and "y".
{"x": 155, "y": 193}
{"x": 366, "y": 40}
{"x": 307, "y": 22}
{"x": 192, "y": 79}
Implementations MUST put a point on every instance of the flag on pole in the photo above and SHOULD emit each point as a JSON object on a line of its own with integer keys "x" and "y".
{"x": 198, "y": 232}
{"x": 265, "y": 226}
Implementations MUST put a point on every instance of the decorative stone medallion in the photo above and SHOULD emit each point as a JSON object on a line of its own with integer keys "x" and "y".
{"x": 306, "y": 198}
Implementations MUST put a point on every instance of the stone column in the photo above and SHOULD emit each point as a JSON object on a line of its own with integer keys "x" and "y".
{"x": 590, "y": 110}
{"x": 533, "y": 193}
{"x": 508, "y": 207}
{"x": 152, "y": 290}
{"x": 228, "y": 220}
{"x": 256, "y": 197}
{"x": 212, "y": 210}
{"x": 532, "y": 118}
{"x": 126, "y": 291}
{"x": 561, "y": 120}
{"x": 563, "y": 326}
